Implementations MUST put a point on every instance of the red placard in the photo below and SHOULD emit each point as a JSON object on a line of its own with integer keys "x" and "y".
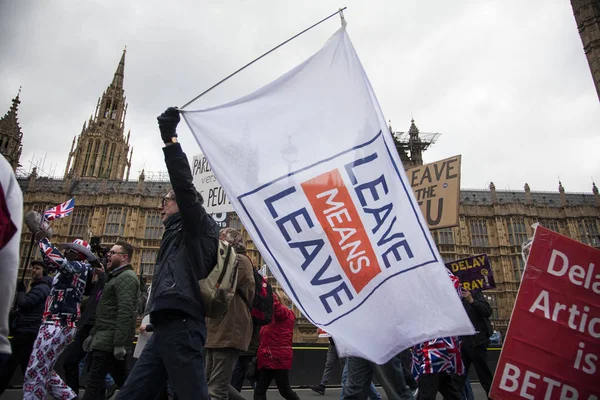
{"x": 552, "y": 347}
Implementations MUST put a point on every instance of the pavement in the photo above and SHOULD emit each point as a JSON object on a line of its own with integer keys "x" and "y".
{"x": 273, "y": 394}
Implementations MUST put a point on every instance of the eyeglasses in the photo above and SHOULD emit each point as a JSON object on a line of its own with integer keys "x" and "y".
{"x": 164, "y": 200}
{"x": 112, "y": 253}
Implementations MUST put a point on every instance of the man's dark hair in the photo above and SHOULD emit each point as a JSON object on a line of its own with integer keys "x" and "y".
{"x": 128, "y": 248}
{"x": 38, "y": 262}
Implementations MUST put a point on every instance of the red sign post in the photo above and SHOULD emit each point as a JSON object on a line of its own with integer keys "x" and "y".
{"x": 552, "y": 346}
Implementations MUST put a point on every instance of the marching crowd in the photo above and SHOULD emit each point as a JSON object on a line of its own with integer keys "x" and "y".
{"x": 87, "y": 314}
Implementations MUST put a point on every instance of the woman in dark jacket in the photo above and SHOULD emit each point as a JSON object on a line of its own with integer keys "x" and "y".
{"x": 30, "y": 307}
{"x": 274, "y": 356}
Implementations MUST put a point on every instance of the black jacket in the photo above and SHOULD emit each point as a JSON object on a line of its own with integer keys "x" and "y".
{"x": 88, "y": 314}
{"x": 188, "y": 251}
{"x": 31, "y": 306}
{"x": 479, "y": 313}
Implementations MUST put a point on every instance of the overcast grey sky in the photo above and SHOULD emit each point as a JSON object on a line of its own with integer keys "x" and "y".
{"x": 505, "y": 82}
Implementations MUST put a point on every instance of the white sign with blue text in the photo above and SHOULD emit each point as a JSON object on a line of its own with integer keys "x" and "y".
{"x": 322, "y": 192}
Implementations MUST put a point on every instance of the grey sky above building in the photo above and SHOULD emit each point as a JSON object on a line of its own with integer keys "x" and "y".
{"x": 506, "y": 83}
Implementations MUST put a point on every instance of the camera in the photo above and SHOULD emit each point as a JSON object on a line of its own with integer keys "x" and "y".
{"x": 100, "y": 251}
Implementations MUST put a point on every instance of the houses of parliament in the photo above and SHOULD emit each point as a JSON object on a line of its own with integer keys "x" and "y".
{"x": 111, "y": 206}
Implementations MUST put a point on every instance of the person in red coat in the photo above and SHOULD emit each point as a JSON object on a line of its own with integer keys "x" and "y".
{"x": 274, "y": 356}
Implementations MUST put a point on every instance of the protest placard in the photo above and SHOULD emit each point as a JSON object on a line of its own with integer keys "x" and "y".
{"x": 437, "y": 189}
{"x": 474, "y": 273}
{"x": 552, "y": 345}
{"x": 215, "y": 198}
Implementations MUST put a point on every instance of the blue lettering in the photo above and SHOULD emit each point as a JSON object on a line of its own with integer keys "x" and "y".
{"x": 358, "y": 163}
{"x": 384, "y": 239}
{"x": 334, "y": 293}
{"x": 394, "y": 249}
{"x": 317, "y": 281}
{"x": 269, "y": 201}
{"x": 371, "y": 187}
{"x": 292, "y": 218}
{"x": 309, "y": 257}
{"x": 376, "y": 213}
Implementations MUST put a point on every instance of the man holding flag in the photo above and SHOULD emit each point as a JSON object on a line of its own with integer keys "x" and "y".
{"x": 59, "y": 317}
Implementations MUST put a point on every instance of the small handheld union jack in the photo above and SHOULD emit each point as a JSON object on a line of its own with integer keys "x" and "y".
{"x": 60, "y": 211}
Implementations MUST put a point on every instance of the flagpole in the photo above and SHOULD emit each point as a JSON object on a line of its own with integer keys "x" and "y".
{"x": 265, "y": 54}
{"x": 28, "y": 257}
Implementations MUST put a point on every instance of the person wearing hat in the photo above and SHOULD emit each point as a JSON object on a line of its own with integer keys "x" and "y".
{"x": 72, "y": 271}
{"x": 29, "y": 310}
{"x": 188, "y": 252}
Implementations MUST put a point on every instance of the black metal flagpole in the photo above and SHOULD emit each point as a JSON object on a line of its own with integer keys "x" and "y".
{"x": 267, "y": 53}
{"x": 28, "y": 257}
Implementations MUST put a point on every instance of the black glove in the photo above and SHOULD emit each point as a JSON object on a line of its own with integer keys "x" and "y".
{"x": 20, "y": 286}
{"x": 167, "y": 123}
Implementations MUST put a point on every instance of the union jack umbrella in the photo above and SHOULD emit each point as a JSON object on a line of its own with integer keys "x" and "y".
{"x": 60, "y": 211}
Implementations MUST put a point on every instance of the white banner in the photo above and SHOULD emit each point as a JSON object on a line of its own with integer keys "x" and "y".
{"x": 313, "y": 173}
{"x": 215, "y": 199}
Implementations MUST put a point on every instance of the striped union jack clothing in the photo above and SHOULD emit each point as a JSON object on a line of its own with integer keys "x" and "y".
{"x": 68, "y": 286}
{"x": 438, "y": 355}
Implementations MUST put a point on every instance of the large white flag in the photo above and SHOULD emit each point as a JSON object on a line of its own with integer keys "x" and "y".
{"x": 311, "y": 168}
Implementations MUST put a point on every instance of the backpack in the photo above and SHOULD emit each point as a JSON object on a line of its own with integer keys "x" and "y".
{"x": 219, "y": 287}
{"x": 261, "y": 309}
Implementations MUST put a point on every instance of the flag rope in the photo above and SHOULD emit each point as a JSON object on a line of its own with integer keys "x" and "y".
{"x": 340, "y": 12}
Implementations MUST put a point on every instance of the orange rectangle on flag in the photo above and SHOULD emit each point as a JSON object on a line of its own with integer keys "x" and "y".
{"x": 335, "y": 211}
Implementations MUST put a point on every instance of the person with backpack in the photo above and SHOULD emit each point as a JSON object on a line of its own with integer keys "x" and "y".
{"x": 187, "y": 254}
{"x": 231, "y": 332}
{"x": 274, "y": 357}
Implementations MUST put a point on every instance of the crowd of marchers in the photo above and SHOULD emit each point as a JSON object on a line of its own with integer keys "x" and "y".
{"x": 84, "y": 308}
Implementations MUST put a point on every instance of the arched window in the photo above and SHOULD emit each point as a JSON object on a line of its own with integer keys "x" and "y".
{"x": 103, "y": 170}
{"x": 94, "y": 157}
{"x": 86, "y": 159}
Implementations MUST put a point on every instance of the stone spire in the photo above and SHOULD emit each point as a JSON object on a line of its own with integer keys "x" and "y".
{"x": 596, "y": 194}
{"x": 493, "y": 193}
{"x": 11, "y": 136}
{"x": 120, "y": 72}
{"x": 528, "y": 196}
{"x": 414, "y": 144}
{"x": 563, "y": 196}
{"x": 102, "y": 148}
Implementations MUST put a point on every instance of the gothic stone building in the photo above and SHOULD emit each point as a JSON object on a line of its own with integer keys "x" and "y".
{"x": 111, "y": 206}
{"x": 587, "y": 18}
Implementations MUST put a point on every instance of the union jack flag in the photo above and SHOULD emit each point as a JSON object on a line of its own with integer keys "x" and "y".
{"x": 60, "y": 211}
{"x": 438, "y": 355}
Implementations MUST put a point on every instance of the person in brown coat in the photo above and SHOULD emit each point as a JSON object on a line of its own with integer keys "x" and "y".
{"x": 230, "y": 333}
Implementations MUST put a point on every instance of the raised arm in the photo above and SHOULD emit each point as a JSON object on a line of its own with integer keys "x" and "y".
{"x": 55, "y": 260}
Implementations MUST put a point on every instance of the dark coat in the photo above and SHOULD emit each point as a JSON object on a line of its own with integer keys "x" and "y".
{"x": 275, "y": 350}
{"x": 117, "y": 311}
{"x": 479, "y": 313}
{"x": 31, "y": 306}
{"x": 88, "y": 314}
{"x": 188, "y": 251}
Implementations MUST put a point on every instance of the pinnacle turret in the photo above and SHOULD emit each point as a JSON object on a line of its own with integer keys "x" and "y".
{"x": 10, "y": 133}
{"x": 102, "y": 148}
{"x": 120, "y": 72}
